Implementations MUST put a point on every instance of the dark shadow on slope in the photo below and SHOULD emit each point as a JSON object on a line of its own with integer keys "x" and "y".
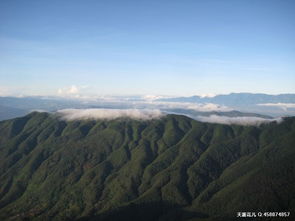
{"x": 156, "y": 211}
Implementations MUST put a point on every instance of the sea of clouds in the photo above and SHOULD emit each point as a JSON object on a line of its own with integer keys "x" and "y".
{"x": 110, "y": 114}
{"x": 284, "y": 106}
{"x": 246, "y": 121}
{"x": 203, "y": 107}
{"x": 148, "y": 114}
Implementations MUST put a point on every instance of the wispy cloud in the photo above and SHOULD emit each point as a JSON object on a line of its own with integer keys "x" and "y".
{"x": 237, "y": 120}
{"x": 203, "y": 107}
{"x": 148, "y": 114}
{"x": 150, "y": 97}
{"x": 85, "y": 114}
{"x": 143, "y": 102}
{"x": 3, "y": 91}
{"x": 11, "y": 91}
{"x": 283, "y": 106}
{"x": 72, "y": 90}
{"x": 208, "y": 95}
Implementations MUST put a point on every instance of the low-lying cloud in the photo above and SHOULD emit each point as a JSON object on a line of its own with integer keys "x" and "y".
{"x": 148, "y": 114}
{"x": 202, "y": 107}
{"x": 109, "y": 114}
{"x": 283, "y": 106}
{"x": 246, "y": 121}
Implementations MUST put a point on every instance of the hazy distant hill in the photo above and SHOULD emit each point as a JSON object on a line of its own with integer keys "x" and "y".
{"x": 237, "y": 99}
{"x": 195, "y": 114}
{"x": 11, "y": 112}
{"x": 247, "y": 102}
{"x": 11, "y": 107}
{"x": 39, "y": 103}
{"x": 173, "y": 168}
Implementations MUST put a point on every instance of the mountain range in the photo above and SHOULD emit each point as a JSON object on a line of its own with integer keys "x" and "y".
{"x": 236, "y": 99}
{"x": 240, "y": 104}
{"x": 171, "y": 168}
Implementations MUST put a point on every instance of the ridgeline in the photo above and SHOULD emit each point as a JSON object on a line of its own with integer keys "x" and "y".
{"x": 173, "y": 168}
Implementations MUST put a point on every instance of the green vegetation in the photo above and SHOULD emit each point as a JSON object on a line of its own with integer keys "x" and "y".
{"x": 173, "y": 168}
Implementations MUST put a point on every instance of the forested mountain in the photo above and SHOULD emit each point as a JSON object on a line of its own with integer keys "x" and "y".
{"x": 172, "y": 168}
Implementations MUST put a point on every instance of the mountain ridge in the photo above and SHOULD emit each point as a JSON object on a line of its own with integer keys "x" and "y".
{"x": 244, "y": 102}
{"x": 59, "y": 170}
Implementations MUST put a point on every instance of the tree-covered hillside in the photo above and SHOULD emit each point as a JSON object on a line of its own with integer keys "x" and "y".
{"x": 173, "y": 168}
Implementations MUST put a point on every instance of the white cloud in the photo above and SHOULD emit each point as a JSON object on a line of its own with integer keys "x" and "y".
{"x": 84, "y": 114}
{"x": 148, "y": 102}
{"x": 148, "y": 114}
{"x": 3, "y": 91}
{"x": 187, "y": 105}
{"x": 283, "y": 106}
{"x": 73, "y": 90}
{"x": 152, "y": 97}
{"x": 10, "y": 91}
{"x": 237, "y": 120}
{"x": 69, "y": 91}
{"x": 208, "y": 95}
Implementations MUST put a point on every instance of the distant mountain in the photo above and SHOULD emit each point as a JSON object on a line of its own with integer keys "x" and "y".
{"x": 246, "y": 102}
{"x": 195, "y": 114}
{"x": 11, "y": 112}
{"x": 236, "y": 99}
{"x": 173, "y": 168}
{"x": 11, "y": 107}
{"x": 39, "y": 103}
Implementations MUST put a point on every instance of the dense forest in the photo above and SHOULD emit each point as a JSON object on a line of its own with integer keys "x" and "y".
{"x": 172, "y": 168}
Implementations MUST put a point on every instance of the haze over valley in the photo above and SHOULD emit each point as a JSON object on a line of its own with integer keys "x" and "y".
{"x": 239, "y": 108}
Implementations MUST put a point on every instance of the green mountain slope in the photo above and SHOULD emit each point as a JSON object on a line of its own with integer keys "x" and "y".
{"x": 173, "y": 168}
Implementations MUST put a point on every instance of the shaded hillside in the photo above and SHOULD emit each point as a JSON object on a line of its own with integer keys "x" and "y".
{"x": 173, "y": 168}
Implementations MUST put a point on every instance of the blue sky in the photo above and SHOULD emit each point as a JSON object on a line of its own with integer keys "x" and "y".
{"x": 147, "y": 47}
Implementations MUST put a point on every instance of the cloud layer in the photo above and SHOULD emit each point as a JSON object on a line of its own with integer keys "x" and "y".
{"x": 148, "y": 114}
{"x": 284, "y": 106}
{"x": 202, "y": 107}
{"x": 72, "y": 90}
{"x": 110, "y": 114}
{"x": 246, "y": 121}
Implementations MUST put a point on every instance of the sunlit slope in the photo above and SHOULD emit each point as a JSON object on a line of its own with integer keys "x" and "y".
{"x": 173, "y": 168}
